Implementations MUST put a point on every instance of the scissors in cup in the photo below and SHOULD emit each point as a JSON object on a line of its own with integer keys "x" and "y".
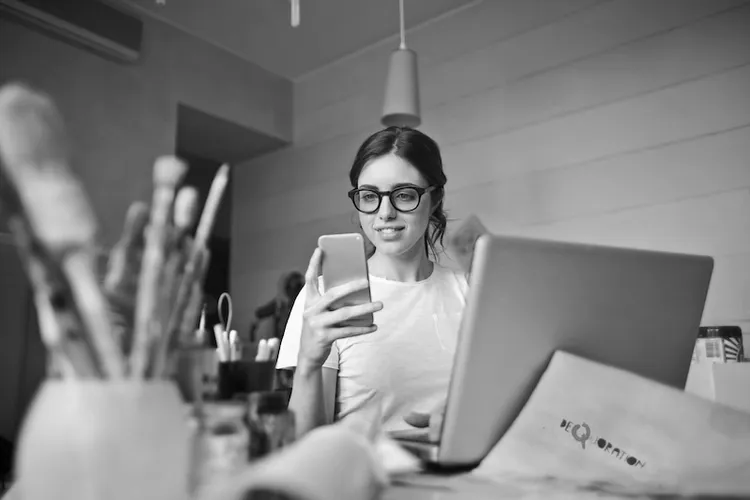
{"x": 226, "y": 322}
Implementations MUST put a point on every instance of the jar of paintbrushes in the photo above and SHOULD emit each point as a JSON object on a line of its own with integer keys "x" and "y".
{"x": 112, "y": 425}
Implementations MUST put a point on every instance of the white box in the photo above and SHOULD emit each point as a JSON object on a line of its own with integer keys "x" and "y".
{"x": 726, "y": 383}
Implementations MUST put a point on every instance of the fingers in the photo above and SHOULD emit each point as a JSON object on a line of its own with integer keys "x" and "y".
{"x": 433, "y": 420}
{"x": 312, "y": 273}
{"x": 418, "y": 419}
{"x": 349, "y": 331}
{"x": 341, "y": 291}
{"x": 332, "y": 318}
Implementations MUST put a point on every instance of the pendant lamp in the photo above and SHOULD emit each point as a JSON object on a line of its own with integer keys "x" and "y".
{"x": 401, "y": 103}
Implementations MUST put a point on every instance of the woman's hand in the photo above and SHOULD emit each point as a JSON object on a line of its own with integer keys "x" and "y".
{"x": 432, "y": 420}
{"x": 318, "y": 326}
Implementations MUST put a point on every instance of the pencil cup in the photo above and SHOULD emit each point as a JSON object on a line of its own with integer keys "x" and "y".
{"x": 94, "y": 440}
{"x": 244, "y": 377}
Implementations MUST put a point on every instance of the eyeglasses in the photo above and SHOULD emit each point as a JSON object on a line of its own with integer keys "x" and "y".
{"x": 403, "y": 199}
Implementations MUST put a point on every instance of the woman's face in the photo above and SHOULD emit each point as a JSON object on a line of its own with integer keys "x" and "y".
{"x": 390, "y": 231}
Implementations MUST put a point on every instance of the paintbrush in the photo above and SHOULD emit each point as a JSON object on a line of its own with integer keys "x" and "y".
{"x": 185, "y": 214}
{"x": 161, "y": 363}
{"x": 34, "y": 159}
{"x": 194, "y": 270}
{"x": 58, "y": 323}
{"x": 123, "y": 267}
{"x": 186, "y": 326}
{"x": 185, "y": 211}
{"x": 190, "y": 318}
{"x": 211, "y": 207}
{"x": 168, "y": 173}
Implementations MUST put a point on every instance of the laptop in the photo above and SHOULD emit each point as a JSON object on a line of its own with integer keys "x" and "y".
{"x": 633, "y": 309}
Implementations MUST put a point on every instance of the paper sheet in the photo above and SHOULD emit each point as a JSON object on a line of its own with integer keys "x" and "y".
{"x": 594, "y": 428}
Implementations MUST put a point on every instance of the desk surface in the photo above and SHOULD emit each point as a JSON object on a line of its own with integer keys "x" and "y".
{"x": 467, "y": 488}
{"x": 473, "y": 487}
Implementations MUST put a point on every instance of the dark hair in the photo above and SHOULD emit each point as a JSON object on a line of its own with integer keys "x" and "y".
{"x": 423, "y": 154}
{"x": 293, "y": 283}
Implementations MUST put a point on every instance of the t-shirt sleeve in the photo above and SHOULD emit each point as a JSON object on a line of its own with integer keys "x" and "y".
{"x": 289, "y": 349}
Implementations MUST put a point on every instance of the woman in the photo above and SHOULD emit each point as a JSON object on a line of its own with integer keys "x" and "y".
{"x": 403, "y": 363}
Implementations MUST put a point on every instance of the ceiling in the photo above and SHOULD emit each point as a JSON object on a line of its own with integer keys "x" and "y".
{"x": 260, "y": 30}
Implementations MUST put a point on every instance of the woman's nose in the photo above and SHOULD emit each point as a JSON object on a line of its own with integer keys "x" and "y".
{"x": 387, "y": 211}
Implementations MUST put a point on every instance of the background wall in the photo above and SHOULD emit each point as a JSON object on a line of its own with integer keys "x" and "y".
{"x": 122, "y": 116}
{"x": 622, "y": 122}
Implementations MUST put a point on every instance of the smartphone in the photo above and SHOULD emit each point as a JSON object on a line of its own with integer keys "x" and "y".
{"x": 344, "y": 261}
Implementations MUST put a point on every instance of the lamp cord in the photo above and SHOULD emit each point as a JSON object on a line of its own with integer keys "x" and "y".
{"x": 401, "y": 15}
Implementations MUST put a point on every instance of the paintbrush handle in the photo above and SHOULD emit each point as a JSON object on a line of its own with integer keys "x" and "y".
{"x": 147, "y": 301}
{"x": 211, "y": 207}
{"x": 59, "y": 324}
{"x": 93, "y": 307}
{"x": 190, "y": 318}
{"x": 123, "y": 268}
{"x": 193, "y": 270}
{"x": 168, "y": 172}
{"x": 76, "y": 358}
{"x": 124, "y": 261}
{"x": 170, "y": 284}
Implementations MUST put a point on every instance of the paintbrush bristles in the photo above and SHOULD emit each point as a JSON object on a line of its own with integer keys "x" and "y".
{"x": 123, "y": 261}
{"x": 168, "y": 172}
{"x": 34, "y": 152}
{"x": 20, "y": 145}
{"x": 186, "y": 208}
{"x": 136, "y": 220}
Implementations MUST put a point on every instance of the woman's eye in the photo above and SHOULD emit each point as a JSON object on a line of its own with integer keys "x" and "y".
{"x": 368, "y": 197}
{"x": 407, "y": 196}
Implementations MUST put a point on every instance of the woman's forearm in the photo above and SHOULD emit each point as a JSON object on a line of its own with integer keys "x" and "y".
{"x": 308, "y": 399}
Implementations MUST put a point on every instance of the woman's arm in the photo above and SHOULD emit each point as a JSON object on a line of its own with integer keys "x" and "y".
{"x": 309, "y": 342}
{"x": 313, "y": 397}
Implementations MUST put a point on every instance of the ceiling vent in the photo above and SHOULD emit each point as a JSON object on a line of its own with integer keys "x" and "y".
{"x": 89, "y": 23}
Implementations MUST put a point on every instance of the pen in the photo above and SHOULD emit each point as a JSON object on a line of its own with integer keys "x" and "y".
{"x": 235, "y": 346}
{"x": 221, "y": 346}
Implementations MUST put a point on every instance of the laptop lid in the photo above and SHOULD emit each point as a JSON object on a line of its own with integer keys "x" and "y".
{"x": 637, "y": 310}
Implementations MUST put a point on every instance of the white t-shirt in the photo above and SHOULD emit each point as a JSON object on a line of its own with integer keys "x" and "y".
{"x": 406, "y": 363}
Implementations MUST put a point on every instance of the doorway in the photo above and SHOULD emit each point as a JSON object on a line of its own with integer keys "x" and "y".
{"x": 205, "y": 142}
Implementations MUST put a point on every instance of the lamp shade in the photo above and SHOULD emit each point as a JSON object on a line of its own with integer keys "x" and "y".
{"x": 401, "y": 104}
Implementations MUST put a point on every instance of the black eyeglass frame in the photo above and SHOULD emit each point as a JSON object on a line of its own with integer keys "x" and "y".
{"x": 390, "y": 194}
